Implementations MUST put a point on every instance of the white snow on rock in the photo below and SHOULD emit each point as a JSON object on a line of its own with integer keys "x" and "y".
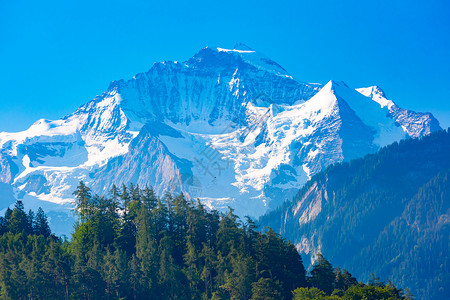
{"x": 229, "y": 127}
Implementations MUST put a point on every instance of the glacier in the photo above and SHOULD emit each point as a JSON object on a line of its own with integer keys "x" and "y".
{"x": 229, "y": 127}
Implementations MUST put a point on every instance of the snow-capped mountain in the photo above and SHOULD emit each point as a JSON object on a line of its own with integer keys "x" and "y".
{"x": 228, "y": 126}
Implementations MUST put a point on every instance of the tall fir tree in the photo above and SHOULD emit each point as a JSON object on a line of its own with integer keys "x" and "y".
{"x": 322, "y": 276}
{"x": 41, "y": 223}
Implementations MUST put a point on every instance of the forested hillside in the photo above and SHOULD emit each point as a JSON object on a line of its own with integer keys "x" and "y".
{"x": 133, "y": 245}
{"x": 387, "y": 213}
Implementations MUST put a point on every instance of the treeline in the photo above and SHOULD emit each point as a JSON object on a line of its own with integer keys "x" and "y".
{"x": 381, "y": 214}
{"x": 134, "y": 245}
{"x": 328, "y": 283}
{"x": 18, "y": 221}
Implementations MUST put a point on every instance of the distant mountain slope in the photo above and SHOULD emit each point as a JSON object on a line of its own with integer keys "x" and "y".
{"x": 229, "y": 126}
{"x": 388, "y": 212}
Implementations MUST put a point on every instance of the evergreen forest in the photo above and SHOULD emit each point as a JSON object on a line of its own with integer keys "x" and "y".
{"x": 134, "y": 245}
{"x": 387, "y": 213}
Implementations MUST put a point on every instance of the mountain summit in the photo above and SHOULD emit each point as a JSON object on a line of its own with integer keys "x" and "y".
{"x": 228, "y": 126}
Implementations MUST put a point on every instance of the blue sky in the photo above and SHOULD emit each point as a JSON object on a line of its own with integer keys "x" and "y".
{"x": 57, "y": 55}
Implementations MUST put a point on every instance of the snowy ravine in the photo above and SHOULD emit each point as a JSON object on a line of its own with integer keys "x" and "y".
{"x": 229, "y": 126}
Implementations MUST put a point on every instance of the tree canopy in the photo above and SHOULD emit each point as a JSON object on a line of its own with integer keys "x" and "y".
{"x": 131, "y": 244}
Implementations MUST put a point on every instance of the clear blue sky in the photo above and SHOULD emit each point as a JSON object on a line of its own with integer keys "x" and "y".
{"x": 57, "y": 55}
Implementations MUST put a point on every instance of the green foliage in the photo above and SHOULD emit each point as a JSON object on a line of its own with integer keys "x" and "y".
{"x": 308, "y": 294}
{"x": 18, "y": 221}
{"x": 266, "y": 289}
{"x": 40, "y": 225}
{"x": 370, "y": 292}
{"x": 355, "y": 292}
{"x": 322, "y": 276}
{"x": 133, "y": 245}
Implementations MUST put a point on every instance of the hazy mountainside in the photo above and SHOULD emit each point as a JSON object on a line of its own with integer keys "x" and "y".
{"x": 388, "y": 212}
{"x": 229, "y": 126}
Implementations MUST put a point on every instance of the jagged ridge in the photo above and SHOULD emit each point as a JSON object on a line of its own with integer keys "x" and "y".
{"x": 229, "y": 126}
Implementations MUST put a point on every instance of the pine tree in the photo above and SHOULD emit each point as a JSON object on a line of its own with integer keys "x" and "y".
{"x": 171, "y": 250}
{"x": 192, "y": 269}
{"x": 146, "y": 252}
{"x": 3, "y": 225}
{"x": 126, "y": 238}
{"x": 83, "y": 204}
{"x": 41, "y": 226}
{"x": 160, "y": 217}
{"x": 322, "y": 276}
{"x": 228, "y": 232}
{"x": 309, "y": 293}
{"x": 343, "y": 279}
{"x": 149, "y": 199}
{"x": 125, "y": 199}
{"x": 114, "y": 192}
{"x": 30, "y": 222}
{"x": 239, "y": 280}
{"x": 167, "y": 270}
{"x": 266, "y": 289}
{"x": 207, "y": 255}
{"x": 18, "y": 221}
{"x": 8, "y": 214}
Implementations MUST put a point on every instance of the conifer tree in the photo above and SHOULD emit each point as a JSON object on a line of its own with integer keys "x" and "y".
{"x": 322, "y": 276}
{"x": 83, "y": 202}
{"x": 266, "y": 289}
{"x": 41, "y": 226}
{"x": 149, "y": 198}
{"x": 208, "y": 271}
{"x": 30, "y": 222}
{"x": 18, "y": 221}
{"x": 3, "y": 225}
{"x": 157, "y": 248}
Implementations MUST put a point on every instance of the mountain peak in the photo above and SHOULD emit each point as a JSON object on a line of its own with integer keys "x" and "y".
{"x": 337, "y": 83}
{"x": 220, "y": 99}
{"x": 215, "y": 56}
{"x": 242, "y": 46}
{"x": 377, "y": 95}
{"x": 372, "y": 91}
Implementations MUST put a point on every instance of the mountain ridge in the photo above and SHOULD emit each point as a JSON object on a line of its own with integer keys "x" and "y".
{"x": 235, "y": 124}
{"x": 387, "y": 212}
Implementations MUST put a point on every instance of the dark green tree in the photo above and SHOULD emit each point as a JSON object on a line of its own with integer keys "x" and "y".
{"x": 308, "y": 294}
{"x": 19, "y": 221}
{"x": 83, "y": 204}
{"x": 169, "y": 248}
{"x": 322, "y": 276}
{"x": 41, "y": 226}
{"x": 266, "y": 289}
